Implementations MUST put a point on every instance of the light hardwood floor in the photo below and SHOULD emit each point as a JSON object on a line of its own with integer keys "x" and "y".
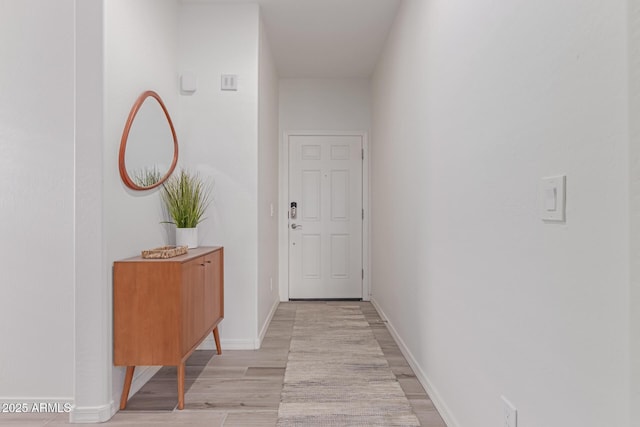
{"x": 240, "y": 388}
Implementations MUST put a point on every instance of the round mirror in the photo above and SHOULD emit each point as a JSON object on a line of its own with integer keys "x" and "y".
{"x": 149, "y": 146}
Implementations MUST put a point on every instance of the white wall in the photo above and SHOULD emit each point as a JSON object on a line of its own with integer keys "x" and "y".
{"x": 634, "y": 199}
{"x": 92, "y": 375}
{"x": 267, "y": 184}
{"x": 474, "y": 102}
{"x": 141, "y": 41}
{"x": 37, "y": 200}
{"x": 325, "y": 104}
{"x": 219, "y": 138}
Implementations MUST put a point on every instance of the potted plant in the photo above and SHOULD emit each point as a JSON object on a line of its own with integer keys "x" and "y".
{"x": 186, "y": 196}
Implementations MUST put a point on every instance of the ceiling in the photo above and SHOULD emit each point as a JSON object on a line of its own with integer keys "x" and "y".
{"x": 326, "y": 38}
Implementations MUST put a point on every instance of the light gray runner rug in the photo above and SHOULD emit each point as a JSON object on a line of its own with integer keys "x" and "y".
{"x": 337, "y": 375}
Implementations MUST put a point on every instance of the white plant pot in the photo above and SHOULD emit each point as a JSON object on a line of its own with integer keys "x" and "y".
{"x": 187, "y": 237}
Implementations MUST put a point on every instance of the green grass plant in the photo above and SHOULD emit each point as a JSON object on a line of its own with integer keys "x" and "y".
{"x": 186, "y": 196}
{"x": 147, "y": 176}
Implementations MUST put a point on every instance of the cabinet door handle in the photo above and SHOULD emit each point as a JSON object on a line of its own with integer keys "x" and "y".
{"x": 208, "y": 262}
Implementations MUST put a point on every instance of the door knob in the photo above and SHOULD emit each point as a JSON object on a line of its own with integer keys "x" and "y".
{"x": 295, "y": 226}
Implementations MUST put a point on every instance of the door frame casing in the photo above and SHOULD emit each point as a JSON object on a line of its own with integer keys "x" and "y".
{"x": 283, "y": 201}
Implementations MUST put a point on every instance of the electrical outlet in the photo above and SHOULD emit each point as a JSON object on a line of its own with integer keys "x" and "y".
{"x": 509, "y": 414}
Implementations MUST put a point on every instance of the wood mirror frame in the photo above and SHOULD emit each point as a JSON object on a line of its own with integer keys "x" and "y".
{"x": 129, "y": 182}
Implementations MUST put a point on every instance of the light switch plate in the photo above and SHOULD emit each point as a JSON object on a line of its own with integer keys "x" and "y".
{"x": 229, "y": 82}
{"x": 552, "y": 198}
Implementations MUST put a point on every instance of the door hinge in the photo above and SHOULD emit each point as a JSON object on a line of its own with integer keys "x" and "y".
{"x": 363, "y": 154}
{"x": 362, "y": 213}
{"x": 363, "y": 274}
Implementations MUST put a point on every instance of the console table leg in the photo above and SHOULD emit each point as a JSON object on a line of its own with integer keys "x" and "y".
{"x": 127, "y": 386}
{"x": 216, "y": 337}
{"x": 181, "y": 385}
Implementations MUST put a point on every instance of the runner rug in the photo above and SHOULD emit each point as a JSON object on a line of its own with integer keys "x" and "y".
{"x": 337, "y": 375}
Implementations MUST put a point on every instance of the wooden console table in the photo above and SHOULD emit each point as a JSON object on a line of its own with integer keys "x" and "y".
{"x": 164, "y": 308}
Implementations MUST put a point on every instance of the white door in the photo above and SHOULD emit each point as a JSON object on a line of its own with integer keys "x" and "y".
{"x": 325, "y": 237}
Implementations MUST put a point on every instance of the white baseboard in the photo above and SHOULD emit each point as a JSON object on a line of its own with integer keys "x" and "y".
{"x": 141, "y": 376}
{"x": 241, "y": 344}
{"x": 208, "y": 344}
{"x": 93, "y": 414}
{"x": 266, "y": 324}
{"x": 436, "y": 398}
{"x": 236, "y": 344}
